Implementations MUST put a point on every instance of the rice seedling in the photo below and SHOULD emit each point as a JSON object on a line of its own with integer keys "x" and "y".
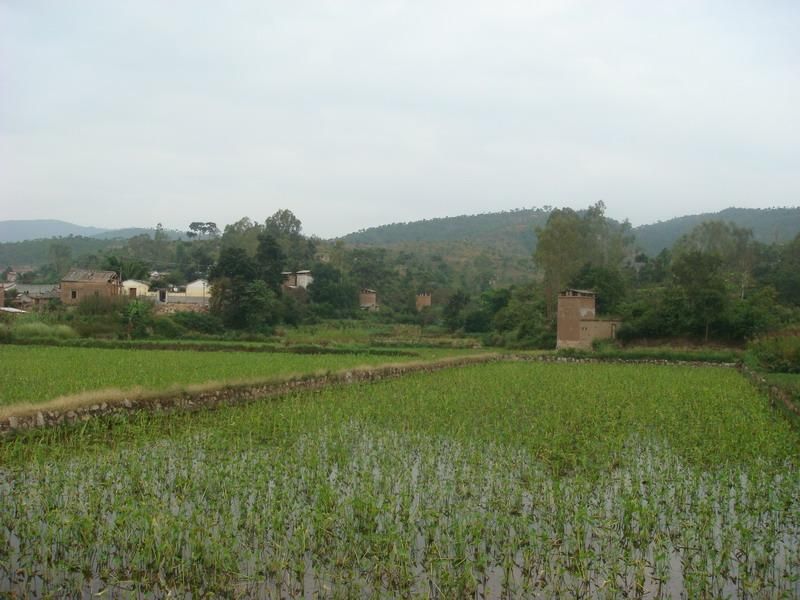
{"x": 507, "y": 479}
{"x": 31, "y": 374}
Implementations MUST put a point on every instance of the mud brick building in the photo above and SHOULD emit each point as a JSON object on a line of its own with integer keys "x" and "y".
{"x": 83, "y": 283}
{"x": 578, "y": 324}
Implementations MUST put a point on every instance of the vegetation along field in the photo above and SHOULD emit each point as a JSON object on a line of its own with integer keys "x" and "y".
{"x": 35, "y": 374}
{"x": 529, "y": 479}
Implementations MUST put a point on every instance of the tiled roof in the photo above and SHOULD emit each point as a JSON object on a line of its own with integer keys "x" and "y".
{"x": 86, "y": 275}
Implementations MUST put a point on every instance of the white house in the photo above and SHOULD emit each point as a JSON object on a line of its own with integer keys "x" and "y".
{"x": 198, "y": 288}
{"x": 133, "y": 288}
{"x": 304, "y": 279}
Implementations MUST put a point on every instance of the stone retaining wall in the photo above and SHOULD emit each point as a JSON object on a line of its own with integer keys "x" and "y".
{"x": 227, "y": 395}
{"x": 776, "y": 394}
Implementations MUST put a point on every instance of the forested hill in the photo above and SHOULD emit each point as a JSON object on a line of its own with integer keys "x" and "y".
{"x": 769, "y": 225}
{"x": 512, "y": 232}
{"x": 487, "y": 227}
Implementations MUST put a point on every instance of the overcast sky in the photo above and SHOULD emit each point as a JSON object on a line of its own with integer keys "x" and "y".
{"x": 118, "y": 113}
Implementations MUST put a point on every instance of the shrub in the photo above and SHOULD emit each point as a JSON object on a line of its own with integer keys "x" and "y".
{"x": 108, "y": 326}
{"x": 165, "y": 327}
{"x": 777, "y": 353}
{"x": 36, "y": 329}
{"x": 137, "y": 317}
{"x": 101, "y": 305}
{"x": 199, "y": 322}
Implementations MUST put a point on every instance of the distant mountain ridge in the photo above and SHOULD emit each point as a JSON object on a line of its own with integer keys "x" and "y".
{"x": 36, "y": 229}
{"x": 32, "y": 229}
{"x": 514, "y": 230}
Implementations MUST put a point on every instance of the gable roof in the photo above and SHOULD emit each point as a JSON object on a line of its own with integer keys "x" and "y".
{"x": 85, "y": 275}
{"x": 35, "y": 289}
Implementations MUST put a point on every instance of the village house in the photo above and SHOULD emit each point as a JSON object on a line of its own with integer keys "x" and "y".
{"x": 84, "y": 283}
{"x": 578, "y": 324}
{"x": 133, "y": 288}
{"x": 15, "y": 273}
{"x": 299, "y": 279}
{"x": 424, "y": 300}
{"x": 195, "y": 297}
{"x": 174, "y": 302}
{"x": 199, "y": 288}
{"x": 34, "y": 296}
{"x": 368, "y": 299}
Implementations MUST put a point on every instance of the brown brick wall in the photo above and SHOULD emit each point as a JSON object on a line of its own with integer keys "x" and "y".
{"x": 571, "y": 309}
{"x": 87, "y": 289}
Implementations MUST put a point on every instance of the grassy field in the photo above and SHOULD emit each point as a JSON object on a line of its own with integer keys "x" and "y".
{"x": 597, "y": 480}
{"x": 34, "y": 373}
{"x": 790, "y": 381}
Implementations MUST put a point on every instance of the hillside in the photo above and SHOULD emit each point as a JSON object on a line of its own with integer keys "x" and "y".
{"x": 32, "y": 229}
{"x": 512, "y": 233}
{"x": 769, "y": 225}
{"x": 37, "y": 252}
{"x": 486, "y": 227}
{"x": 46, "y": 229}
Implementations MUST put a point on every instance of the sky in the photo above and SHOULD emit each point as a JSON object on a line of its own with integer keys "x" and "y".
{"x": 118, "y": 113}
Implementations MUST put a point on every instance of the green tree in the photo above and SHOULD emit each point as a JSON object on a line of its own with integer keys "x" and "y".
{"x": 453, "y": 312}
{"x": 699, "y": 276}
{"x": 607, "y": 282}
{"x": 332, "y": 292}
{"x": 283, "y": 224}
{"x": 137, "y": 316}
{"x": 61, "y": 257}
{"x": 570, "y": 240}
{"x": 260, "y": 306}
{"x": 127, "y": 268}
{"x": 231, "y": 276}
{"x": 270, "y": 260}
{"x": 242, "y": 234}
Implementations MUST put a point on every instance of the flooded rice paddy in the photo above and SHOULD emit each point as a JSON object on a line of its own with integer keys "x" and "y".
{"x": 503, "y": 480}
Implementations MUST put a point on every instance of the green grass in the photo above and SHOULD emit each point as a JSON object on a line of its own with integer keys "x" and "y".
{"x": 595, "y": 480}
{"x": 790, "y": 381}
{"x": 39, "y": 373}
{"x": 611, "y": 351}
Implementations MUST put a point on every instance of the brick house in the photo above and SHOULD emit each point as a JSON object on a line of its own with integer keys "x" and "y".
{"x": 84, "y": 283}
{"x": 368, "y": 299}
{"x": 578, "y": 324}
{"x": 423, "y": 300}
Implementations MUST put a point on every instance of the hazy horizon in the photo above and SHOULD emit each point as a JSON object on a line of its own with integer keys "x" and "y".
{"x": 222, "y": 225}
{"x": 359, "y": 114}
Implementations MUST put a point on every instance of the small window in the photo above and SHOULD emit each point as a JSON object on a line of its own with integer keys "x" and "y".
{"x": 73, "y": 294}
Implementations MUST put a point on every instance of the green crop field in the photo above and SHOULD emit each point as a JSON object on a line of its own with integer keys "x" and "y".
{"x": 525, "y": 479}
{"x": 38, "y": 373}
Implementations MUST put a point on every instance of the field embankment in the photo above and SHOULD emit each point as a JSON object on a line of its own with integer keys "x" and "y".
{"x": 38, "y": 373}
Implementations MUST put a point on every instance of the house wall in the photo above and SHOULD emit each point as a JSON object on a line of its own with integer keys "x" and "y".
{"x": 85, "y": 289}
{"x": 141, "y": 288}
{"x": 304, "y": 280}
{"x": 423, "y": 300}
{"x": 571, "y": 310}
{"x": 198, "y": 289}
{"x": 368, "y": 300}
{"x": 597, "y": 329}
